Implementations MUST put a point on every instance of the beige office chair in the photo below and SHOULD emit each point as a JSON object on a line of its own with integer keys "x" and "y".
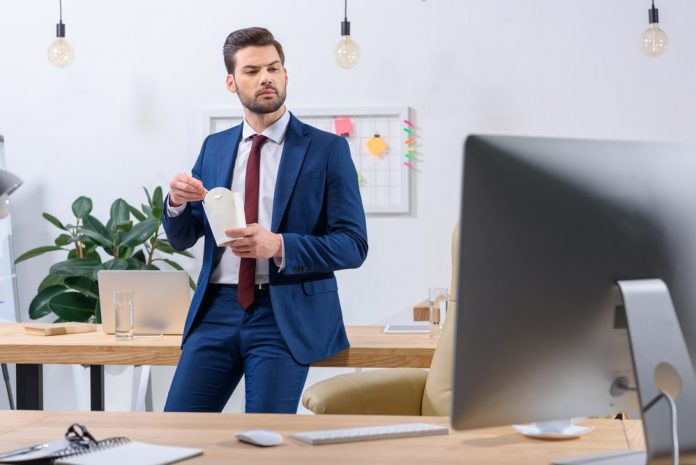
{"x": 395, "y": 391}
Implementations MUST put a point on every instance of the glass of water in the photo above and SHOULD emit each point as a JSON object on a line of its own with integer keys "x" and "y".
{"x": 437, "y": 309}
{"x": 124, "y": 308}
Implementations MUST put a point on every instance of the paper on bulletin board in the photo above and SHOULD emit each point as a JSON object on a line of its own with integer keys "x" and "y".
{"x": 344, "y": 126}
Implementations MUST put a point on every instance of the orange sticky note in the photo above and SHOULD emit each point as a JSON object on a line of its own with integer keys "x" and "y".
{"x": 376, "y": 145}
{"x": 344, "y": 127}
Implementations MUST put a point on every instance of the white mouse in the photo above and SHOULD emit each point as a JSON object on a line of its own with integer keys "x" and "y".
{"x": 260, "y": 437}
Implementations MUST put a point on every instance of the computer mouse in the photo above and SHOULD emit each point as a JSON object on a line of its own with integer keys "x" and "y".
{"x": 260, "y": 437}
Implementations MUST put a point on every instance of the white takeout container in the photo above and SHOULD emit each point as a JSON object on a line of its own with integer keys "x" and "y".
{"x": 224, "y": 209}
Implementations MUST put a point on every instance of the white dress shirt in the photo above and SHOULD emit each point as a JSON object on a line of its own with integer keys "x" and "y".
{"x": 227, "y": 270}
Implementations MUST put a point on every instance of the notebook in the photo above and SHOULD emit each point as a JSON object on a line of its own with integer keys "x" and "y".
{"x": 162, "y": 299}
{"x": 133, "y": 453}
{"x": 111, "y": 451}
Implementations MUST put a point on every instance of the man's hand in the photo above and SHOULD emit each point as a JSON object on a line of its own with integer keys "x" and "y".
{"x": 255, "y": 242}
{"x": 184, "y": 188}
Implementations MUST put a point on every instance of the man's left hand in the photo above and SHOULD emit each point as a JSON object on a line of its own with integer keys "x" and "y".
{"x": 256, "y": 242}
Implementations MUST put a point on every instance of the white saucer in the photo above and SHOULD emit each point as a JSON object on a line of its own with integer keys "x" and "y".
{"x": 531, "y": 430}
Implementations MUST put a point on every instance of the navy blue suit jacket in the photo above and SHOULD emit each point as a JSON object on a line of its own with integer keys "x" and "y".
{"x": 318, "y": 210}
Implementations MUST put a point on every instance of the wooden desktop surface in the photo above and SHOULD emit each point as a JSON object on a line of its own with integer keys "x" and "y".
{"x": 370, "y": 347}
{"x": 213, "y": 433}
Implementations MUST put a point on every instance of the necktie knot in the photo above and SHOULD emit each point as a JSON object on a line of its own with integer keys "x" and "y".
{"x": 257, "y": 140}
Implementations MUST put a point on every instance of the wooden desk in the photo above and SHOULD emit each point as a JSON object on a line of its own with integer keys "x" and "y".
{"x": 370, "y": 347}
{"x": 214, "y": 434}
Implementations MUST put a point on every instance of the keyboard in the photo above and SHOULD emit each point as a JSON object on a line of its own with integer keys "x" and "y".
{"x": 369, "y": 433}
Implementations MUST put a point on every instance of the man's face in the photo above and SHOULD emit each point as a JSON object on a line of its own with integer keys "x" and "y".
{"x": 259, "y": 79}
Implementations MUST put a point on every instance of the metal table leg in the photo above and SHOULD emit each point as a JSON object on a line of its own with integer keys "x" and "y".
{"x": 8, "y": 388}
{"x": 96, "y": 387}
{"x": 29, "y": 387}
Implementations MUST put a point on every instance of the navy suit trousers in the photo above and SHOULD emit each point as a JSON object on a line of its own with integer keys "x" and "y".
{"x": 227, "y": 342}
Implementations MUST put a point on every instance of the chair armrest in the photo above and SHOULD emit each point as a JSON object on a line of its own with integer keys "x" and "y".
{"x": 391, "y": 391}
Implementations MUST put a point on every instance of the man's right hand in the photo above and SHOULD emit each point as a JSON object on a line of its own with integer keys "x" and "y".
{"x": 184, "y": 188}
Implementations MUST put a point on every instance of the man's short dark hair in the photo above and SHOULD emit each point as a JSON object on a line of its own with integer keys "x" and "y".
{"x": 249, "y": 37}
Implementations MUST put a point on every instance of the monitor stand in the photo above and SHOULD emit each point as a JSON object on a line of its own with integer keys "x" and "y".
{"x": 661, "y": 362}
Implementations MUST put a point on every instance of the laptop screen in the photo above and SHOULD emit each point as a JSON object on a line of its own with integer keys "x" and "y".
{"x": 162, "y": 299}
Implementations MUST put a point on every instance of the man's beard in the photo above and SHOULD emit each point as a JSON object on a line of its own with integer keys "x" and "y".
{"x": 262, "y": 108}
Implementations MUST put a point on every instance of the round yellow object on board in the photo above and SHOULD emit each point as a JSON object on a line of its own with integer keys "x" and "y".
{"x": 376, "y": 145}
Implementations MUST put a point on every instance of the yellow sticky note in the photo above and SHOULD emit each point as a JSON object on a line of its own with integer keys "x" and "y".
{"x": 376, "y": 145}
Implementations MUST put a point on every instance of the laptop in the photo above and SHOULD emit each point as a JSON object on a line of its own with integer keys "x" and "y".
{"x": 162, "y": 299}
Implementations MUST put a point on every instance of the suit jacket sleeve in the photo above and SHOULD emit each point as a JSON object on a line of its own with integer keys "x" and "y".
{"x": 345, "y": 243}
{"x": 184, "y": 230}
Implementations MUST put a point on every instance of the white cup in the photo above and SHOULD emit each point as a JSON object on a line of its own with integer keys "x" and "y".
{"x": 124, "y": 308}
{"x": 555, "y": 426}
{"x": 437, "y": 309}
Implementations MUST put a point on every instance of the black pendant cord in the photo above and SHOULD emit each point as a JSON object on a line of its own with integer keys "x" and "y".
{"x": 653, "y": 16}
{"x": 345, "y": 24}
{"x": 60, "y": 27}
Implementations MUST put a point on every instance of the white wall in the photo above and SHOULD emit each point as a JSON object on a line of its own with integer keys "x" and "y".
{"x": 127, "y": 113}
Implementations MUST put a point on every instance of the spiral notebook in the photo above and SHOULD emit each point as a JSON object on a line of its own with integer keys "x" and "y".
{"x": 83, "y": 449}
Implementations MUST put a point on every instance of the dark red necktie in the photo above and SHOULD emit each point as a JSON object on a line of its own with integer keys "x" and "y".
{"x": 247, "y": 268}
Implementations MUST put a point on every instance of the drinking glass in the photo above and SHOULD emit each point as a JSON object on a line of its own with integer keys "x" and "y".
{"x": 437, "y": 308}
{"x": 124, "y": 307}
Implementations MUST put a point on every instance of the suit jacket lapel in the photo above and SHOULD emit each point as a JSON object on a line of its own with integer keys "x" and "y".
{"x": 294, "y": 151}
{"x": 225, "y": 157}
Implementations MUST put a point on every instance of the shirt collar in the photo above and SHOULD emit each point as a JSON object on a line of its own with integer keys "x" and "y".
{"x": 275, "y": 132}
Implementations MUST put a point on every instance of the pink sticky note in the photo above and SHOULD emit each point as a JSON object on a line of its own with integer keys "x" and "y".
{"x": 344, "y": 126}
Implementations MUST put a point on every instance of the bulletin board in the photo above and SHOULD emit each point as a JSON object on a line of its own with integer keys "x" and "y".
{"x": 384, "y": 179}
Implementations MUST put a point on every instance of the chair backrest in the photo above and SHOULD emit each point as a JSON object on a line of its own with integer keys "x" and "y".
{"x": 438, "y": 387}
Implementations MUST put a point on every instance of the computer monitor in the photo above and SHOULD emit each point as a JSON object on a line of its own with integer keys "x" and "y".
{"x": 564, "y": 244}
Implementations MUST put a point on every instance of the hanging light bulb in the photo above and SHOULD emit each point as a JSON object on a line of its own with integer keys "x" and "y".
{"x": 653, "y": 41}
{"x": 347, "y": 52}
{"x": 60, "y": 53}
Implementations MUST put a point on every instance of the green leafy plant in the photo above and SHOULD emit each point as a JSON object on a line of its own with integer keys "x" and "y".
{"x": 130, "y": 240}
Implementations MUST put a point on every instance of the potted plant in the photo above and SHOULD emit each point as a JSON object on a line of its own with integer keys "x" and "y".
{"x": 129, "y": 240}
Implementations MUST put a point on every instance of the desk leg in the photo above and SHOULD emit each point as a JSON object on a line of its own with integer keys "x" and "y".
{"x": 96, "y": 387}
{"x": 29, "y": 387}
{"x": 143, "y": 397}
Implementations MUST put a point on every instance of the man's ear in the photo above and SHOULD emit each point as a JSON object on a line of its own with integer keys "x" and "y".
{"x": 229, "y": 82}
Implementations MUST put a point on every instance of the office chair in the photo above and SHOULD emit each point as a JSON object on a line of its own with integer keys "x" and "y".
{"x": 395, "y": 391}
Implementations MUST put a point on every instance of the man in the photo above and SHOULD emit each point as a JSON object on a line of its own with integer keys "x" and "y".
{"x": 267, "y": 304}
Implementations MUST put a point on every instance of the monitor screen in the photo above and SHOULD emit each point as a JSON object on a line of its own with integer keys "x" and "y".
{"x": 548, "y": 227}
